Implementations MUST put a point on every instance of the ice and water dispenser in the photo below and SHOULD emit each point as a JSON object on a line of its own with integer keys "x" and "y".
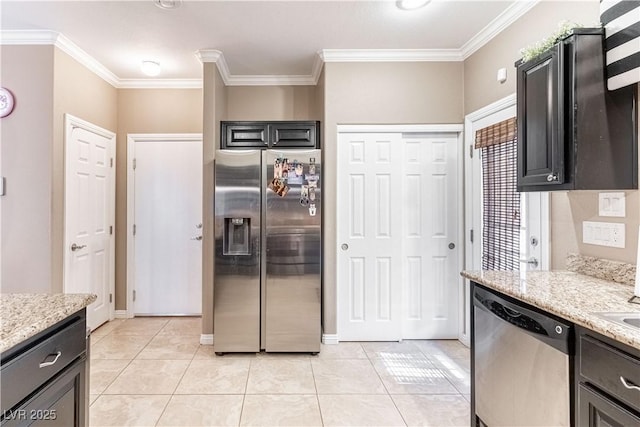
{"x": 236, "y": 236}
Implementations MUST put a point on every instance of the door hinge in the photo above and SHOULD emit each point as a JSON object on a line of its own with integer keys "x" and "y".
{"x": 135, "y": 163}
{"x": 134, "y": 294}
{"x": 110, "y": 298}
{"x": 111, "y": 162}
{"x": 471, "y": 235}
{"x": 134, "y": 229}
{"x": 471, "y": 151}
{"x": 111, "y": 230}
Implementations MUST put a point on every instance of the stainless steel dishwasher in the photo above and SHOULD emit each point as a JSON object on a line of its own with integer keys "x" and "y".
{"x": 522, "y": 364}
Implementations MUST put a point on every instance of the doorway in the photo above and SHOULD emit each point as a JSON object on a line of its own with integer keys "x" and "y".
{"x": 164, "y": 213}
{"x": 89, "y": 213}
{"x": 399, "y": 200}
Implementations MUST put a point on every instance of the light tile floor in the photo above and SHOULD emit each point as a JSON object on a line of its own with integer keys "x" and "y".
{"x": 153, "y": 371}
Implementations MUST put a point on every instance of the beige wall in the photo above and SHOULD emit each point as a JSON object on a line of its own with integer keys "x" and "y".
{"x": 26, "y": 159}
{"x": 81, "y": 93}
{"x": 271, "y": 103}
{"x": 146, "y": 111}
{"x": 378, "y": 93}
{"x": 215, "y": 110}
{"x": 568, "y": 209}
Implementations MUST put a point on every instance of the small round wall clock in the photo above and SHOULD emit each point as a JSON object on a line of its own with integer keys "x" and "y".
{"x": 6, "y": 102}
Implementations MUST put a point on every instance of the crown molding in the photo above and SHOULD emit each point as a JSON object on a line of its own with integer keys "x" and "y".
{"x": 495, "y": 27}
{"x": 160, "y": 84}
{"x": 390, "y": 55}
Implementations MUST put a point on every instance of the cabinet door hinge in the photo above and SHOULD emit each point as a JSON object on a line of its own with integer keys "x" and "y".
{"x": 110, "y": 298}
{"x": 135, "y": 163}
{"x": 134, "y": 229}
{"x": 471, "y": 151}
{"x": 471, "y": 235}
{"x": 111, "y": 162}
{"x": 134, "y": 294}
{"x": 111, "y": 230}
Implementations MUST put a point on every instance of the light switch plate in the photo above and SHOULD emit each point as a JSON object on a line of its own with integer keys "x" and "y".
{"x": 612, "y": 204}
{"x": 610, "y": 234}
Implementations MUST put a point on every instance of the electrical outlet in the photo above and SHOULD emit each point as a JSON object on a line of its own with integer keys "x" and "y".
{"x": 603, "y": 234}
{"x": 612, "y": 204}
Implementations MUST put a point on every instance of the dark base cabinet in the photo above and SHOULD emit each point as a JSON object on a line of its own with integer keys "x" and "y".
{"x": 44, "y": 379}
{"x": 607, "y": 373}
{"x": 596, "y": 410}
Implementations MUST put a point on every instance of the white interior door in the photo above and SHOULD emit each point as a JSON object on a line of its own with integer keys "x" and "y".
{"x": 369, "y": 237}
{"x": 168, "y": 224}
{"x": 430, "y": 230}
{"x": 398, "y": 222}
{"x": 89, "y": 214}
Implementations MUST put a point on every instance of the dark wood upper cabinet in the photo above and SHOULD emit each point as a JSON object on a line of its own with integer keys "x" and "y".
{"x": 293, "y": 134}
{"x": 573, "y": 133}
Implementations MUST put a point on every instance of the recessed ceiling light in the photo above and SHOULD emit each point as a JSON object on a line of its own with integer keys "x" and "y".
{"x": 411, "y": 4}
{"x": 168, "y": 4}
{"x": 150, "y": 68}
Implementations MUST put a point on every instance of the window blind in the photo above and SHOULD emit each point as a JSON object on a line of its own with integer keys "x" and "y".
{"x": 500, "y": 199}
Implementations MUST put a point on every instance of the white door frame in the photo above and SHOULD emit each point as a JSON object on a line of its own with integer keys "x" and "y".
{"x": 500, "y": 110}
{"x": 436, "y": 128}
{"x": 71, "y": 122}
{"x": 132, "y": 138}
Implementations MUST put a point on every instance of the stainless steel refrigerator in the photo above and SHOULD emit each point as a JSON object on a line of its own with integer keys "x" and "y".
{"x": 268, "y": 253}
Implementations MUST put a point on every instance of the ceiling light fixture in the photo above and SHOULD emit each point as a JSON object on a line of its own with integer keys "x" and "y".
{"x": 168, "y": 4}
{"x": 411, "y": 4}
{"x": 150, "y": 68}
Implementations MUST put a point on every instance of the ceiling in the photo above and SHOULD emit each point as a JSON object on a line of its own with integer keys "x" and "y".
{"x": 256, "y": 38}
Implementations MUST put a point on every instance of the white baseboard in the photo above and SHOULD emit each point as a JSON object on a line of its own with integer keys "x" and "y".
{"x": 121, "y": 314}
{"x": 330, "y": 339}
{"x": 206, "y": 339}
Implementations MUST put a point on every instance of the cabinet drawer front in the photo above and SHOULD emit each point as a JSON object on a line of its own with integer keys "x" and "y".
{"x": 23, "y": 375}
{"x": 596, "y": 410}
{"x": 244, "y": 135}
{"x": 293, "y": 135}
{"x": 607, "y": 368}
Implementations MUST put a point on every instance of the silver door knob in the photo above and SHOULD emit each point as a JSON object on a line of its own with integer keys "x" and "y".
{"x": 531, "y": 261}
{"x": 551, "y": 177}
{"x": 344, "y": 246}
{"x": 452, "y": 245}
{"x": 75, "y": 247}
{"x": 196, "y": 238}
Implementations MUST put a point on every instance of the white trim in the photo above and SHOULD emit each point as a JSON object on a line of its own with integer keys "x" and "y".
{"x": 490, "y": 109}
{"x": 495, "y": 27}
{"x": 132, "y": 138}
{"x": 206, "y": 339}
{"x": 122, "y": 314}
{"x": 391, "y": 55}
{"x": 71, "y": 122}
{"x": 160, "y": 84}
{"x": 330, "y": 339}
{"x": 399, "y": 128}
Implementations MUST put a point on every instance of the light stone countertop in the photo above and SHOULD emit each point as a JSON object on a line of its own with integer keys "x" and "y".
{"x": 25, "y": 315}
{"x": 571, "y": 296}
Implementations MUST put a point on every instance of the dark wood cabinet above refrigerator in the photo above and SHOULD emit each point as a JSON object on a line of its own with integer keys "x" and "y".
{"x": 274, "y": 134}
{"x": 573, "y": 133}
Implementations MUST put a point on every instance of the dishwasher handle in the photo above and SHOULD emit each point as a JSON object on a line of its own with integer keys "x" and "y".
{"x": 535, "y": 323}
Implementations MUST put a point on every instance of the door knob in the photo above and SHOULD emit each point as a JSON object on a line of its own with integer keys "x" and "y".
{"x": 531, "y": 261}
{"x": 75, "y": 247}
{"x": 196, "y": 238}
{"x": 452, "y": 245}
{"x": 344, "y": 246}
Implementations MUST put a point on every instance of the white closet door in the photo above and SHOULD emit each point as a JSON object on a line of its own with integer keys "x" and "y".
{"x": 430, "y": 237}
{"x": 369, "y": 237}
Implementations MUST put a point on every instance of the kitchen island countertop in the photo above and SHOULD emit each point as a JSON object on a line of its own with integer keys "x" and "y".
{"x": 571, "y": 296}
{"x": 25, "y": 315}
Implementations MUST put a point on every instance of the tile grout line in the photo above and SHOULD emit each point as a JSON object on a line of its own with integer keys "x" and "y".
{"x": 386, "y": 389}
{"x": 244, "y": 395}
{"x": 313, "y": 374}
